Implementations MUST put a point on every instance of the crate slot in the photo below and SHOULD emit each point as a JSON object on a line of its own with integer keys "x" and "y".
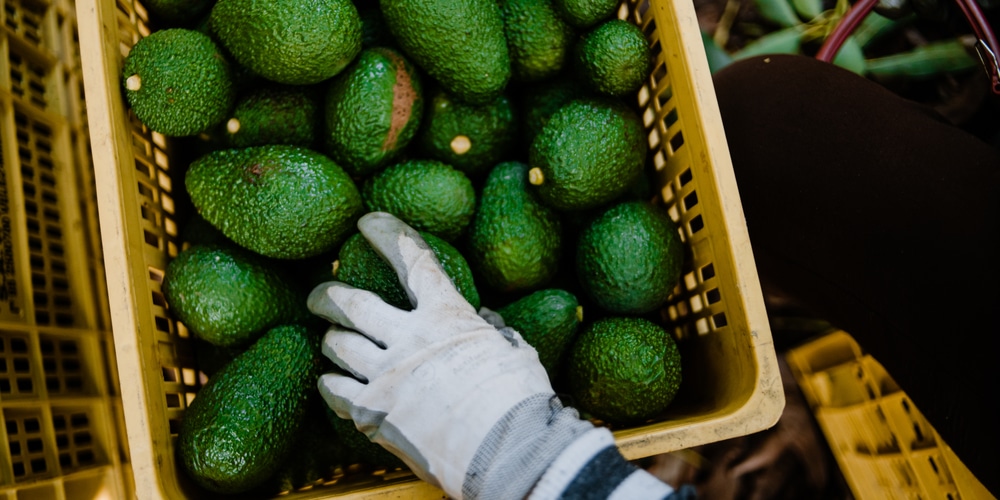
{"x": 16, "y": 368}
{"x": 76, "y": 445}
{"x": 26, "y": 443}
{"x": 64, "y": 365}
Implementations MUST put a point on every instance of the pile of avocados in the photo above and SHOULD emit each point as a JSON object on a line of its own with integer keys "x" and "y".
{"x": 505, "y": 131}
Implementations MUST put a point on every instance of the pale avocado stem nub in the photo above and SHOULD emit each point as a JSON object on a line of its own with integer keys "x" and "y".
{"x": 133, "y": 83}
{"x": 579, "y": 314}
{"x": 334, "y": 268}
{"x": 461, "y": 144}
{"x": 233, "y": 125}
{"x": 536, "y": 177}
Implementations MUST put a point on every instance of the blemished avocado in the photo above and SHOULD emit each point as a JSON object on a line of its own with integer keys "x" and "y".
{"x": 588, "y": 154}
{"x": 241, "y": 427}
{"x": 360, "y": 449}
{"x": 359, "y": 265}
{"x": 538, "y": 39}
{"x": 281, "y": 201}
{"x": 515, "y": 241}
{"x": 289, "y": 41}
{"x": 459, "y": 43}
{"x": 373, "y": 111}
{"x": 275, "y": 114}
{"x": 177, "y": 82}
{"x": 629, "y": 258}
{"x": 548, "y": 320}
{"x": 473, "y": 139}
{"x": 227, "y": 296}
{"x": 428, "y": 195}
{"x": 585, "y": 13}
{"x": 623, "y": 370}
{"x": 614, "y": 58}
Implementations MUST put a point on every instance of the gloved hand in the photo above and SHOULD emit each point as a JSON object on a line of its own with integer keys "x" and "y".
{"x": 467, "y": 406}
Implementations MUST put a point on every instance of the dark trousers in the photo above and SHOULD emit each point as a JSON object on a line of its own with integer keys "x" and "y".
{"x": 878, "y": 216}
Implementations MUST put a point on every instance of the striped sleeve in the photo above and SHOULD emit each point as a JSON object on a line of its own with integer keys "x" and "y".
{"x": 592, "y": 468}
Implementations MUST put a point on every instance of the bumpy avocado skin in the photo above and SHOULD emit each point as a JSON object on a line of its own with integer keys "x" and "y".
{"x": 590, "y": 152}
{"x": 460, "y": 43}
{"x": 429, "y": 195}
{"x": 281, "y": 201}
{"x": 538, "y": 38}
{"x": 629, "y": 258}
{"x": 243, "y": 424}
{"x": 296, "y": 42}
{"x": 361, "y": 267}
{"x": 177, "y": 82}
{"x": 614, "y": 59}
{"x": 548, "y": 320}
{"x": 470, "y": 138}
{"x": 373, "y": 110}
{"x": 515, "y": 241}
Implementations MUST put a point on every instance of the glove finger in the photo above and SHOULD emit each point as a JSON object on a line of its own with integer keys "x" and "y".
{"x": 338, "y": 392}
{"x": 354, "y": 352}
{"x": 358, "y": 310}
{"x": 415, "y": 263}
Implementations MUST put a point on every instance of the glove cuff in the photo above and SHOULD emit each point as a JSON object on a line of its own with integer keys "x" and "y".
{"x": 521, "y": 446}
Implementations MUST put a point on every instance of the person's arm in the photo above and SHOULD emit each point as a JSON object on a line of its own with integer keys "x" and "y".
{"x": 466, "y": 405}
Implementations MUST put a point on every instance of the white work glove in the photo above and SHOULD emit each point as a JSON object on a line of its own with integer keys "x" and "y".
{"x": 467, "y": 406}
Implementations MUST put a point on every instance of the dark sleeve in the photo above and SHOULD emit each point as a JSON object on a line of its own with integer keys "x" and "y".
{"x": 877, "y": 215}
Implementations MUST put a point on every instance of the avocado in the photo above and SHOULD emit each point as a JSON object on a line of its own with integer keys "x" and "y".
{"x": 360, "y": 449}
{"x": 629, "y": 259}
{"x": 275, "y": 114}
{"x": 317, "y": 453}
{"x": 177, "y": 82}
{"x": 515, "y": 241}
{"x": 360, "y": 266}
{"x": 459, "y": 43}
{"x": 428, "y": 195}
{"x": 539, "y": 101}
{"x": 588, "y": 154}
{"x": 585, "y": 13}
{"x": 473, "y": 139}
{"x": 289, "y": 41}
{"x": 226, "y": 295}
{"x": 242, "y": 425}
{"x": 373, "y": 111}
{"x": 538, "y": 38}
{"x": 614, "y": 58}
{"x": 281, "y": 201}
{"x": 623, "y": 370}
{"x": 548, "y": 320}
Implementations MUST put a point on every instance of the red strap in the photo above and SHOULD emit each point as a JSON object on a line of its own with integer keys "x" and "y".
{"x": 986, "y": 44}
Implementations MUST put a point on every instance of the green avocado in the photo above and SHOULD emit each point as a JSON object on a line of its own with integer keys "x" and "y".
{"x": 629, "y": 258}
{"x": 538, "y": 38}
{"x": 295, "y": 42}
{"x": 548, "y": 320}
{"x": 281, "y": 201}
{"x": 459, "y": 43}
{"x": 359, "y": 265}
{"x": 177, "y": 82}
{"x": 242, "y": 426}
{"x": 515, "y": 241}
{"x": 614, "y": 59}
{"x": 275, "y": 114}
{"x": 373, "y": 111}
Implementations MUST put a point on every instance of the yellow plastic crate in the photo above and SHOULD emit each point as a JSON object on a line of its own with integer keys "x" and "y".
{"x": 884, "y": 446}
{"x": 732, "y": 386}
{"x": 62, "y": 414}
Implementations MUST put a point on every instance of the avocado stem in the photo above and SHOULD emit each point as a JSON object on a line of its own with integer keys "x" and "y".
{"x": 461, "y": 144}
{"x": 233, "y": 125}
{"x": 133, "y": 83}
{"x": 334, "y": 268}
{"x": 579, "y": 314}
{"x": 536, "y": 177}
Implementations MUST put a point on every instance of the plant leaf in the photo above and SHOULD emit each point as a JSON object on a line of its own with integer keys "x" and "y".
{"x": 875, "y": 26}
{"x": 779, "y": 12}
{"x": 926, "y": 61}
{"x": 850, "y": 56}
{"x": 786, "y": 41}
{"x": 717, "y": 58}
{"x": 808, "y": 9}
